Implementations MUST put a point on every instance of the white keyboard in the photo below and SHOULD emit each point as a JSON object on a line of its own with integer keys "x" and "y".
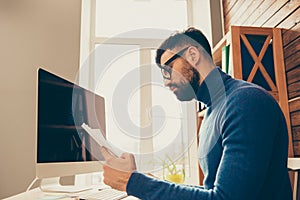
{"x": 104, "y": 194}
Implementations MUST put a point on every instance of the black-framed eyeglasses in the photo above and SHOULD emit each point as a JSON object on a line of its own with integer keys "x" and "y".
{"x": 166, "y": 70}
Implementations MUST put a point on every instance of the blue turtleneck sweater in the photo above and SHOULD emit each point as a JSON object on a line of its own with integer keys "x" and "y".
{"x": 242, "y": 149}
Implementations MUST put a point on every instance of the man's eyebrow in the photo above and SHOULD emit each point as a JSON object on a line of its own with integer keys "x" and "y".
{"x": 176, "y": 55}
{"x": 172, "y": 59}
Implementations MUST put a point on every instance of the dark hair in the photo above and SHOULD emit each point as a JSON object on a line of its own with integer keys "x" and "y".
{"x": 191, "y": 36}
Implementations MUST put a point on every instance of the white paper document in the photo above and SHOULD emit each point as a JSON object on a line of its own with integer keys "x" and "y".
{"x": 97, "y": 135}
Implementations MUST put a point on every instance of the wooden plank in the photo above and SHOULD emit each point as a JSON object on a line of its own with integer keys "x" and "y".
{"x": 291, "y": 34}
{"x": 217, "y": 52}
{"x": 296, "y": 146}
{"x": 294, "y": 104}
{"x": 233, "y": 11}
{"x": 251, "y": 50}
{"x": 282, "y": 14}
{"x": 295, "y": 118}
{"x": 256, "y": 30}
{"x": 236, "y": 52}
{"x": 292, "y": 61}
{"x": 296, "y": 133}
{"x": 252, "y": 8}
{"x": 291, "y": 20}
{"x": 274, "y": 94}
{"x": 277, "y": 5}
{"x": 258, "y": 12}
{"x": 281, "y": 83}
{"x": 293, "y": 75}
{"x": 239, "y": 12}
{"x": 227, "y": 5}
{"x": 200, "y": 116}
{"x": 293, "y": 47}
{"x": 294, "y": 90}
{"x": 226, "y": 9}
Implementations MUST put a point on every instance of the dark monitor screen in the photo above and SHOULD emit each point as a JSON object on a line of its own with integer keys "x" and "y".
{"x": 62, "y": 107}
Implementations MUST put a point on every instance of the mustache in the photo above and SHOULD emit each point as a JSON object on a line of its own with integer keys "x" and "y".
{"x": 173, "y": 85}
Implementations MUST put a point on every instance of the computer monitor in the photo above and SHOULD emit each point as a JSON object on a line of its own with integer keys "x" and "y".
{"x": 63, "y": 147}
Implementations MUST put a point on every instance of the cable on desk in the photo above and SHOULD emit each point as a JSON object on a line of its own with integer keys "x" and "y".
{"x": 31, "y": 184}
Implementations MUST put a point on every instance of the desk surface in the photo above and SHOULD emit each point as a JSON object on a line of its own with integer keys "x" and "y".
{"x": 38, "y": 194}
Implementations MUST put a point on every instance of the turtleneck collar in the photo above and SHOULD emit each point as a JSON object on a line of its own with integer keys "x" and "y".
{"x": 212, "y": 88}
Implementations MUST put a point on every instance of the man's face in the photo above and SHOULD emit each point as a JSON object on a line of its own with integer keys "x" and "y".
{"x": 184, "y": 78}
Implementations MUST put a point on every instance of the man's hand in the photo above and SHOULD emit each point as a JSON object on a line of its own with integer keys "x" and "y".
{"x": 117, "y": 171}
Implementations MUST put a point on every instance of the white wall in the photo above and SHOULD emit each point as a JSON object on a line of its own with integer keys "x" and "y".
{"x": 202, "y": 17}
{"x": 207, "y": 16}
{"x": 32, "y": 33}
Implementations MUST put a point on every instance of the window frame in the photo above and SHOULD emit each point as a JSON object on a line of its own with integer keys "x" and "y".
{"x": 88, "y": 36}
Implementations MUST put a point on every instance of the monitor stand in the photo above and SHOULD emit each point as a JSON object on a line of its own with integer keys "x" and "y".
{"x": 53, "y": 185}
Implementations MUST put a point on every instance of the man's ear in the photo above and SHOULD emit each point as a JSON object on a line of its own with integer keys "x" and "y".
{"x": 193, "y": 55}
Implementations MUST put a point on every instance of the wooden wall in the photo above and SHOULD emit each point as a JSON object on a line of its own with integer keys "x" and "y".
{"x": 281, "y": 14}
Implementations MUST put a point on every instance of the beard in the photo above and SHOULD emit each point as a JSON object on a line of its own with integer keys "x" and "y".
{"x": 186, "y": 91}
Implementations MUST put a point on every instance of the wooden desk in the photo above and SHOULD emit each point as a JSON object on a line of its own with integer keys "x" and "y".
{"x": 38, "y": 194}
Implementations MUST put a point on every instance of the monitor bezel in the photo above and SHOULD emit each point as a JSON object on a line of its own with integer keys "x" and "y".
{"x": 60, "y": 169}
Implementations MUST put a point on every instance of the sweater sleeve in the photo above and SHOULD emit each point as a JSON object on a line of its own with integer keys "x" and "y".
{"x": 145, "y": 187}
{"x": 248, "y": 129}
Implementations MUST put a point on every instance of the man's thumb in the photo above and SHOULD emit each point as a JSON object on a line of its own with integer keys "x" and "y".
{"x": 105, "y": 153}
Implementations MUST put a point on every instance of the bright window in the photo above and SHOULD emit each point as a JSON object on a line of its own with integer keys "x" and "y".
{"x": 122, "y": 38}
{"x": 112, "y": 64}
{"x": 119, "y": 16}
{"x": 116, "y": 20}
